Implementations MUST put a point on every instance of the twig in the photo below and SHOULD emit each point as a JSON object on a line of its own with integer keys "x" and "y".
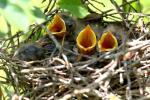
{"x": 119, "y": 10}
{"x": 128, "y": 88}
{"x": 46, "y": 9}
{"x": 94, "y": 6}
{"x": 53, "y": 38}
{"x": 14, "y": 76}
{"x": 106, "y": 12}
{"x": 39, "y": 88}
{"x": 54, "y": 2}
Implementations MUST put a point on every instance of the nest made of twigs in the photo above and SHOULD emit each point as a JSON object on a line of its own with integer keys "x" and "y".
{"x": 65, "y": 74}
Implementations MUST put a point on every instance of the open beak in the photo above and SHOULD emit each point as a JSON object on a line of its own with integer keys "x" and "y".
{"x": 107, "y": 42}
{"x": 86, "y": 41}
{"x": 57, "y": 26}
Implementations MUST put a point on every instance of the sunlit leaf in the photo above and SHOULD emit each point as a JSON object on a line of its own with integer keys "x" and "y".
{"x": 75, "y": 7}
{"x": 132, "y": 7}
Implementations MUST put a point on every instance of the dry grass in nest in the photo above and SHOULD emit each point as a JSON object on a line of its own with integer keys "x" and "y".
{"x": 123, "y": 73}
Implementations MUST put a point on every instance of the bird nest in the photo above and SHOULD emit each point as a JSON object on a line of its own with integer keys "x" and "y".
{"x": 63, "y": 73}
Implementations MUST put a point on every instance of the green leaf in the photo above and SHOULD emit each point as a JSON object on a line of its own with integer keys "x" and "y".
{"x": 2, "y": 35}
{"x": 15, "y": 16}
{"x": 132, "y": 7}
{"x": 37, "y": 12}
{"x": 3, "y": 3}
{"x": 75, "y": 7}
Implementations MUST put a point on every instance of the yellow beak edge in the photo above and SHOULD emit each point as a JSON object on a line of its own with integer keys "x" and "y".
{"x": 86, "y": 41}
{"x": 57, "y": 26}
{"x": 107, "y": 42}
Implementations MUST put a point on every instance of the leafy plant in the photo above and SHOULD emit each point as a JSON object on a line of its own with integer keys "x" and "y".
{"x": 132, "y": 7}
{"x": 20, "y": 14}
{"x": 75, "y": 7}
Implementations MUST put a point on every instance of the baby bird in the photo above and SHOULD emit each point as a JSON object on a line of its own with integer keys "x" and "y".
{"x": 61, "y": 25}
{"x": 30, "y": 52}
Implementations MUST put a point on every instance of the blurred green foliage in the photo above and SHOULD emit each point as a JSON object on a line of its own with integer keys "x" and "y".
{"x": 3, "y": 3}
{"x": 20, "y": 13}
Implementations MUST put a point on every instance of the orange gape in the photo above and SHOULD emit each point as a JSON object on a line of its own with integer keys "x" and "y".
{"x": 107, "y": 42}
{"x": 57, "y": 26}
{"x": 86, "y": 41}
